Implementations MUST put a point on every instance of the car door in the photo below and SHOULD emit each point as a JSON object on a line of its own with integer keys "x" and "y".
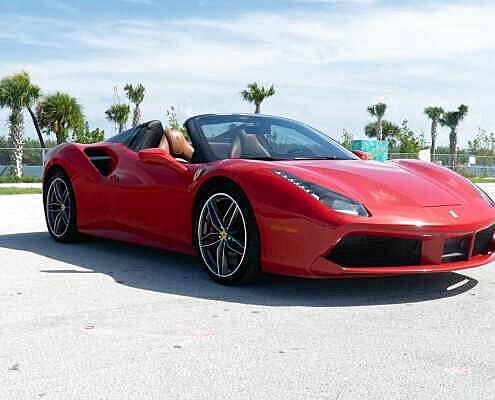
{"x": 151, "y": 203}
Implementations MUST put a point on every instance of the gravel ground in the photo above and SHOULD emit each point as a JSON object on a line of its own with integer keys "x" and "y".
{"x": 106, "y": 320}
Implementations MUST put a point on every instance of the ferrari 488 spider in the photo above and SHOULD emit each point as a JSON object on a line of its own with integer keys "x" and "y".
{"x": 252, "y": 193}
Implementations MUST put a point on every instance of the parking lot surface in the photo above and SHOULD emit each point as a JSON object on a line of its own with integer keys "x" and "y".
{"x": 106, "y": 320}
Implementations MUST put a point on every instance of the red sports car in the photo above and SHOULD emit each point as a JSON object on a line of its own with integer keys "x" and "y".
{"x": 252, "y": 193}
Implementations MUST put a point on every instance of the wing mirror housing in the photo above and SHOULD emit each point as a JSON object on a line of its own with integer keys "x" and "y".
{"x": 362, "y": 155}
{"x": 162, "y": 157}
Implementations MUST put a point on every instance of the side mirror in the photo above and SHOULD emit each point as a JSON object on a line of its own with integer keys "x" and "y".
{"x": 362, "y": 155}
{"x": 160, "y": 156}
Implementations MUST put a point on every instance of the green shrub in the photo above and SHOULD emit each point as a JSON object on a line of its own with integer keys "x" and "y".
{"x": 23, "y": 179}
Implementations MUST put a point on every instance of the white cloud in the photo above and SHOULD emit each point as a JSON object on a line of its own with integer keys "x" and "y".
{"x": 326, "y": 65}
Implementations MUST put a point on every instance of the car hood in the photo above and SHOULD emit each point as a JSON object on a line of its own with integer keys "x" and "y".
{"x": 405, "y": 183}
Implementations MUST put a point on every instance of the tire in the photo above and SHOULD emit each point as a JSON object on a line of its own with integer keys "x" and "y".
{"x": 227, "y": 237}
{"x": 60, "y": 208}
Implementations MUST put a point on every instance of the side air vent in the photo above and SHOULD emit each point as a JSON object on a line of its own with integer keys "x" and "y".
{"x": 102, "y": 161}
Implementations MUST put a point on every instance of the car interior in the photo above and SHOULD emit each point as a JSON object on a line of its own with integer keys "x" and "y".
{"x": 238, "y": 143}
{"x": 171, "y": 140}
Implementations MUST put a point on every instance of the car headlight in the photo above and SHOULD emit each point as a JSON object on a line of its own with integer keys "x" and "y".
{"x": 484, "y": 195}
{"x": 335, "y": 201}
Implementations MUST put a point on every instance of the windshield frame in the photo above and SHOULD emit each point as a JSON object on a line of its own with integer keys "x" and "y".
{"x": 206, "y": 154}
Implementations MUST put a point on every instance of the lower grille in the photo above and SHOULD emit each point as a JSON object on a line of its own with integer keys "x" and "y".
{"x": 359, "y": 250}
{"x": 455, "y": 249}
{"x": 483, "y": 241}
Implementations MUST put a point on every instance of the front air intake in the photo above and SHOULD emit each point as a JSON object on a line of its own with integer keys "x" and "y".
{"x": 483, "y": 241}
{"x": 358, "y": 250}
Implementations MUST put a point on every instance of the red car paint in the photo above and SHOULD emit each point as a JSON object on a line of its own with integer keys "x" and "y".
{"x": 152, "y": 204}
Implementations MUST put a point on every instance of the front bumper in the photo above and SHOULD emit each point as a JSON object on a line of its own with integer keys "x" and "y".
{"x": 294, "y": 244}
{"x": 398, "y": 250}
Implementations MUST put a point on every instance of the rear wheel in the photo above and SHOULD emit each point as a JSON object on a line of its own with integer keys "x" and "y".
{"x": 60, "y": 208}
{"x": 227, "y": 236}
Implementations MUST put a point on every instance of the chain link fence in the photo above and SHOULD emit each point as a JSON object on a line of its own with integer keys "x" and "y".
{"x": 33, "y": 159}
{"x": 467, "y": 164}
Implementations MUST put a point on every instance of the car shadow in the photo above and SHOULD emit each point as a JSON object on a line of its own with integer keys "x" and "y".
{"x": 172, "y": 273}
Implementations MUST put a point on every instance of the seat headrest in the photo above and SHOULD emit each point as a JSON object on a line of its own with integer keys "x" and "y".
{"x": 247, "y": 145}
{"x": 178, "y": 145}
{"x": 164, "y": 143}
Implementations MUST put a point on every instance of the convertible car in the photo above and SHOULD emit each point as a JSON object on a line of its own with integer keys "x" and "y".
{"x": 255, "y": 193}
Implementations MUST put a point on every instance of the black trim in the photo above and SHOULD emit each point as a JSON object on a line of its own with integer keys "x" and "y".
{"x": 198, "y": 141}
{"x": 131, "y": 136}
{"x": 361, "y": 250}
{"x": 483, "y": 241}
{"x": 455, "y": 249}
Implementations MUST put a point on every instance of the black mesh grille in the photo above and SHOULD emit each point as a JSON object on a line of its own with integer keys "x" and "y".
{"x": 483, "y": 241}
{"x": 376, "y": 251}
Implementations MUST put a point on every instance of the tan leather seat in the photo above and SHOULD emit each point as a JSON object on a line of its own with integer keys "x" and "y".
{"x": 164, "y": 144}
{"x": 245, "y": 144}
{"x": 178, "y": 145}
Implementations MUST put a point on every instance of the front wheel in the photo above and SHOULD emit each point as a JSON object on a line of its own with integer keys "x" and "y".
{"x": 227, "y": 237}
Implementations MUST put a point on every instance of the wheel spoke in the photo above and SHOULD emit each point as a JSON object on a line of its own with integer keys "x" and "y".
{"x": 58, "y": 194}
{"x": 226, "y": 216}
{"x": 65, "y": 217}
{"x": 66, "y": 197}
{"x": 214, "y": 215}
{"x": 54, "y": 207}
{"x": 210, "y": 244}
{"x": 235, "y": 213}
{"x": 210, "y": 239}
{"x": 221, "y": 258}
{"x": 56, "y": 224}
{"x": 234, "y": 245}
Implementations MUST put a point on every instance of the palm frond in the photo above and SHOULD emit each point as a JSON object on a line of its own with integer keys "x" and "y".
{"x": 135, "y": 93}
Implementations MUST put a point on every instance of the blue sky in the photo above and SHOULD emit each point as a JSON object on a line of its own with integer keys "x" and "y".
{"x": 328, "y": 59}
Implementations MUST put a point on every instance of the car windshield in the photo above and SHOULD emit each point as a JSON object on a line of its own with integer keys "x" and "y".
{"x": 266, "y": 138}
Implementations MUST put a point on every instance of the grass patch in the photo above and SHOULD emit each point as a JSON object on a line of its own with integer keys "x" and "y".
{"x": 482, "y": 179}
{"x": 22, "y": 179}
{"x": 19, "y": 191}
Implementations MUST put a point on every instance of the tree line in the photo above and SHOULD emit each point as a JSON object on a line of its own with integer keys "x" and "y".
{"x": 58, "y": 114}
{"x": 403, "y": 140}
{"x": 61, "y": 115}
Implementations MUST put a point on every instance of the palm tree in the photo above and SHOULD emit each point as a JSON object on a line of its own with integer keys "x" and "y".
{"x": 119, "y": 113}
{"x": 136, "y": 95}
{"x": 390, "y": 132}
{"x": 378, "y": 110}
{"x": 256, "y": 94}
{"x": 17, "y": 92}
{"x": 434, "y": 113}
{"x": 452, "y": 119}
{"x": 60, "y": 114}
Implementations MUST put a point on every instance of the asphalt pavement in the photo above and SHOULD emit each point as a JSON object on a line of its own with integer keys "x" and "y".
{"x": 107, "y": 320}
